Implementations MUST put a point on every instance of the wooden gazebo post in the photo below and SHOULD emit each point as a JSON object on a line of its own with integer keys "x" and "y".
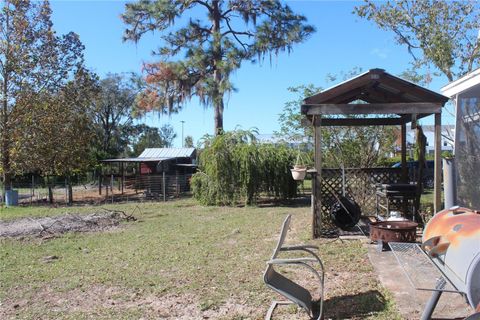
{"x": 317, "y": 188}
{"x": 404, "y": 153}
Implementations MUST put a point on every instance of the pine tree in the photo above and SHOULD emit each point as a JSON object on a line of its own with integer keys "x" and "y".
{"x": 197, "y": 59}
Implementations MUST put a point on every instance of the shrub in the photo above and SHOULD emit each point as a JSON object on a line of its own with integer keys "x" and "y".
{"x": 234, "y": 168}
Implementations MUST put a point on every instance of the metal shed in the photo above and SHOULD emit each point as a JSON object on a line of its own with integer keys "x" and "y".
{"x": 156, "y": 171}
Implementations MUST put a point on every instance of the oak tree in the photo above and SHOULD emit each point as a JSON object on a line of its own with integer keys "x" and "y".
{"x": 55, "y": 130}
{"x": 153, "y": 137}
{"x": 34, "y": 61}
{"x": 113, "y": 114}
{"x": 188, "y": 142}
{"x": 439, "y": 33}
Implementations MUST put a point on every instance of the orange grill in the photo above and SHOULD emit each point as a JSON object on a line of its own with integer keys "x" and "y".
{"x": 452, "y": 239}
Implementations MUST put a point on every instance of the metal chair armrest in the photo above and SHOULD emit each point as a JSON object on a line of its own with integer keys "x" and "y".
{"x": 291, "y": 261}
{"x": 298, "y": 247}
{"x": 321, "y": 276}
{"x": 306, "y": 248}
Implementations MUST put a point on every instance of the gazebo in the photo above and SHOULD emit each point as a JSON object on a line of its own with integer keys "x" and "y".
{"x": 385, "y": 100}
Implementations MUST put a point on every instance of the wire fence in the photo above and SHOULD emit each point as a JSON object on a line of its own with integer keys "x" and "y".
{"x": 108, "y": 188}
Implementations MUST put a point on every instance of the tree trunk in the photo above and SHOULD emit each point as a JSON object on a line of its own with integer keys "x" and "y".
{"x": 50, "y": 191}
{"x": 421, "y": 145}
{"x": 5, "y": 152}
{"x": 106, "y": 137}
{"x": 70, "y": 191}
{"x": 217, "y": 74}
{"x": 218, "y": 117}
{"x": 7, "y": 177}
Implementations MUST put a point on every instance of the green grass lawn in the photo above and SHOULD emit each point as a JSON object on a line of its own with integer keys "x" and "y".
{"x": 178, "y": 261}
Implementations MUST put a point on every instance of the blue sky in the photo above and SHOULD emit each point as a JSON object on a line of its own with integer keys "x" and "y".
{"x": 342, "y": 41}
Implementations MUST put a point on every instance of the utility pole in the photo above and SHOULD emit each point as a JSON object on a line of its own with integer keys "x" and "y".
{"x": 183, "y": 142}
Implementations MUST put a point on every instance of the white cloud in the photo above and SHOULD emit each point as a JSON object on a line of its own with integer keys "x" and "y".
{"x": 380, "y": 53}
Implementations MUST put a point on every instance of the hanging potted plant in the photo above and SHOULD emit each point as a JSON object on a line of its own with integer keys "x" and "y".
{"x": 299, "y": 168}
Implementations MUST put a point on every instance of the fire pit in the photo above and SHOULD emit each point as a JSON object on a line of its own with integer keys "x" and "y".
{"x": 384, "y": 232}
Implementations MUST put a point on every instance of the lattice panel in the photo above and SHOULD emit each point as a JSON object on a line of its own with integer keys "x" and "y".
{"x": 359, "y": 186}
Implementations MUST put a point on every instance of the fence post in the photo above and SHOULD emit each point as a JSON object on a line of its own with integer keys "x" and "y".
{"x": 66, "y": 191}
{"x": 50, "y": 191}
{"x": 32, "y": 192}
{"x": 123, "y": 176}
{"x": 100, "y": 176}
{"x": 70, "y": 191}
{"x": 111, "y": 184}
{"x": 164, "y": 189}
{"x": 177, "y": 184}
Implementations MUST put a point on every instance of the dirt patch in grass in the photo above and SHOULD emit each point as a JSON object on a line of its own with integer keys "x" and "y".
{"x": 126, "y": 301}
{"x": 53, "y": 226}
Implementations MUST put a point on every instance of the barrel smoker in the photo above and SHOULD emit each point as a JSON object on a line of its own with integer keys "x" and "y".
{"x": 452, "y": 239}
{"x": 451, "y": 242}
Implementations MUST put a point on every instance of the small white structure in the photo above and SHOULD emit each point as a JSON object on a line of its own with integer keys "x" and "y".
{"x": 465, "y": 93}
{"x": 448, "y": 134}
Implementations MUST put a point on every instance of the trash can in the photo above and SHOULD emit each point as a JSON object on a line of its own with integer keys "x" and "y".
{"x": 11, "y": 198}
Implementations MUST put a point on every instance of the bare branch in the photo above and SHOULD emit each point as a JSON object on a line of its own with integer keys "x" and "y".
{"x": 203, "y": 3}
{"x": 236, "y": 33}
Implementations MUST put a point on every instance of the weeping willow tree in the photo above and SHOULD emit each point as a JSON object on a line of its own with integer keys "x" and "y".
{"x": 234, "y": 168}
{"x": 353, "y": 147}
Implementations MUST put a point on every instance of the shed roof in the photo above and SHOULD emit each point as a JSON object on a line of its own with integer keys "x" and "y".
{"x": 157, "y": 155}
{"x": 139, "y": 159}
{"x": 167, "y": 153}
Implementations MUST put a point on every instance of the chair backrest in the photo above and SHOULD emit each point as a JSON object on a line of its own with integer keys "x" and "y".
{"x": 283, "y": 235}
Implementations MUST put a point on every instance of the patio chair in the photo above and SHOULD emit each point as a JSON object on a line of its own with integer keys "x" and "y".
{"x": 286, "y": 287}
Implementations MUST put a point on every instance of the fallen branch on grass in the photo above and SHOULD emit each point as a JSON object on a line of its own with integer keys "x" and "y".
{"x": 53, "y": 226}
{"x": 126, "y": 216}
